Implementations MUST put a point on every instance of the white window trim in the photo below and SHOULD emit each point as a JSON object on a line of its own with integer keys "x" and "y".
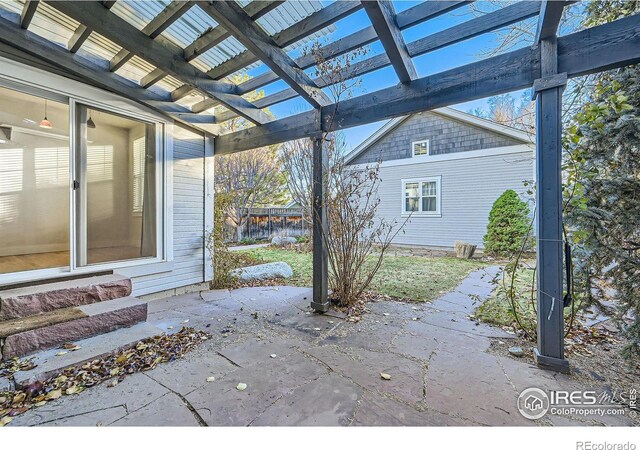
{"x": 413, "y": 147}
{"x": 24, "y": 78}
{"x": 437, "y": 212}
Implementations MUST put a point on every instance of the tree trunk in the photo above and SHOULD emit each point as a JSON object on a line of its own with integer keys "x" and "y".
{"x": 464, "y": 250}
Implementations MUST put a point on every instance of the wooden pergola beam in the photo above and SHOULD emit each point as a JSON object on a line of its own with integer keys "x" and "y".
{"x": 239, "y": 24}
{"x": 593, "y": 50}
{"x": 383, "y": 18}
{"x": 46, "y": 52}
{"x": 214, "y": 36}
{"x": 407, "y": 18}
{"x": 153, "y": 29}
{"x": 550, "y": 15}
{"x": 458, "y": 33}
{"x": 160, "y": 52}
{"x": 28, "y": 11}
{"x": 306, "y": 27}
{"x": 83, "y": 32}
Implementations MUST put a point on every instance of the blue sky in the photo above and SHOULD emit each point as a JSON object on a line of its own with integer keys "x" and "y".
{"x": 437, "y": 61}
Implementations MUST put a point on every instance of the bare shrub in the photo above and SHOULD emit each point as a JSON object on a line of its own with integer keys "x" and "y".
{"x": 356, "y": 237}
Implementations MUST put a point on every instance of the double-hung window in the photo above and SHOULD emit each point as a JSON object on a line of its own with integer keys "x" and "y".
{"x": 421, "y": 196}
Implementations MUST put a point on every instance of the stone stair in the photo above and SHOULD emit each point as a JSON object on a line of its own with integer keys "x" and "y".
{"x": 45, "y": 316}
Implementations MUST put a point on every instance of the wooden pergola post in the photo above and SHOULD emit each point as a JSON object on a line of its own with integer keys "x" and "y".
{"x": 548, "y": 90}
{"x": 320, "y": 301}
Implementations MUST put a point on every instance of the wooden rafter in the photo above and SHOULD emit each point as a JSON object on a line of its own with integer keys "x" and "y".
{"x": 550, "y": 15}
{"x": 458, "y": 33}
{"x": 160, "y": 52}
{"x": 28, "y": 11}
{"x": 306, "y": 27}
{"x": 46, "y": 52}
{"x": 83, "y": 32}
{"x": 244, "y": 29}
{"x": 153, "y": 29}
{"x": 383, "y": 18}
{"x": 593, "y": 50}
{"x": 408, "y": 18}
{"x": 214, "y": 36}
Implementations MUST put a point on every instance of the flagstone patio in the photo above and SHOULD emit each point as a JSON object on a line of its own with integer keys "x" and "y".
{"x": 301, "y": 368}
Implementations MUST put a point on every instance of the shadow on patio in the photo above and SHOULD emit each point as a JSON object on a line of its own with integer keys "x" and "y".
{"x": 301, "y": 368}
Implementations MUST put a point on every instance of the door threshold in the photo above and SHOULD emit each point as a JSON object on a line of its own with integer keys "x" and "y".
{"x": 55, "y": 279}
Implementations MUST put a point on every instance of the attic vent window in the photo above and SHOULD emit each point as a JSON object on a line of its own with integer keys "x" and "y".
{"x": 419, "y": 148}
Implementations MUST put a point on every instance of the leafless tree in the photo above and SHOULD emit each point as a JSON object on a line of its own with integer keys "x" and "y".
{"x": 250, "y": 179}
{"x": 355, "y": 236}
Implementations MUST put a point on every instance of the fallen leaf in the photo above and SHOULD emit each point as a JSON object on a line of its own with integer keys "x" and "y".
{"x": 72, "y": 390}
{"x": 241, "y": 386}
{"x": 39, "y": 404}
{"x": 113, "y": 383}
{"x": 53, "y": 395}
{"x": 61, "y": 353}
{"x": 185, "y": 321}
{"x": 385, "y": 376}
{"x": 19, "y": 398}
{"x": 5, "y": 420}
{"x": 210, "y": 379}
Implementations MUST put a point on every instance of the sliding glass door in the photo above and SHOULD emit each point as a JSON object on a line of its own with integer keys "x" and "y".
{"x": 67, "y": 208}
{"x": 116, "y": 211}
{"x": 34, "y": 182}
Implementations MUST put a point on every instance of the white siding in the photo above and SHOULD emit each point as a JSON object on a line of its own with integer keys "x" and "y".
{"x": 469, "y": 186}
{"x": 188, "y": 217}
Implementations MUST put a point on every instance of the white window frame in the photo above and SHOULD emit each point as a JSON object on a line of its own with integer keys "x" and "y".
{"x": 420, "y": 213}
{"x": 413, "y": 147}
{"x": 47, "y": 85}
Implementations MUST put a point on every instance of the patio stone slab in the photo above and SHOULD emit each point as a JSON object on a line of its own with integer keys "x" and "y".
{"x": 188, "y": 374}
{"x": 99, "y": 418}
{"x": 328, "y": 401}
{"x": 133, "y": 393}
{"x": 255, "y": 350}
{"x": 168, "y": 411}
{"x": 363, "y": 367}
{"x": 370, "y": 334}
{"x": 474, "y": 388}
{"x": 376, "y": 410}
{"x": 221, "y": 404}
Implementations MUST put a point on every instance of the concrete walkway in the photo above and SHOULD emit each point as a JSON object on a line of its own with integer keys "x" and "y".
{"x": 238, "y": 248}
{"x": 306, "y": 369}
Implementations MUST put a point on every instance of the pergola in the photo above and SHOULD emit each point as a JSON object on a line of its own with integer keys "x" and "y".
{"x": 546, "y": 66}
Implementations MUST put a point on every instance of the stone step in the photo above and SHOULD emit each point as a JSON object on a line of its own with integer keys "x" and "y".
{"x": 41, "y": 298}
{"x": 98, "y": 318}
{"x": 48, "y": 364}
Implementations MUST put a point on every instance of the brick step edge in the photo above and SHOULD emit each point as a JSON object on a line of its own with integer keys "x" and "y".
{"x": 32, "y": 300}
{"x": 96, "y": 347}
{"x": 101, "y": 318}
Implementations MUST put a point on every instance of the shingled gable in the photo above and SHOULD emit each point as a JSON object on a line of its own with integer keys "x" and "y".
{"x": 450, "y": 131}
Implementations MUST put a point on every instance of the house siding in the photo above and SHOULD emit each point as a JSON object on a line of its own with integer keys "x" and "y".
{"x": 188, "y": 217}
{"x": 469, "y": 186}
{"x": 445, "y": 135}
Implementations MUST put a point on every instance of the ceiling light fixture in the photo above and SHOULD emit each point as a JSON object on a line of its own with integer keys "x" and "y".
{"x": 45, "y": 123}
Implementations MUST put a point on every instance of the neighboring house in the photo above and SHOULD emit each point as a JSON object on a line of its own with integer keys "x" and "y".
{"x": 444, "y": 169}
